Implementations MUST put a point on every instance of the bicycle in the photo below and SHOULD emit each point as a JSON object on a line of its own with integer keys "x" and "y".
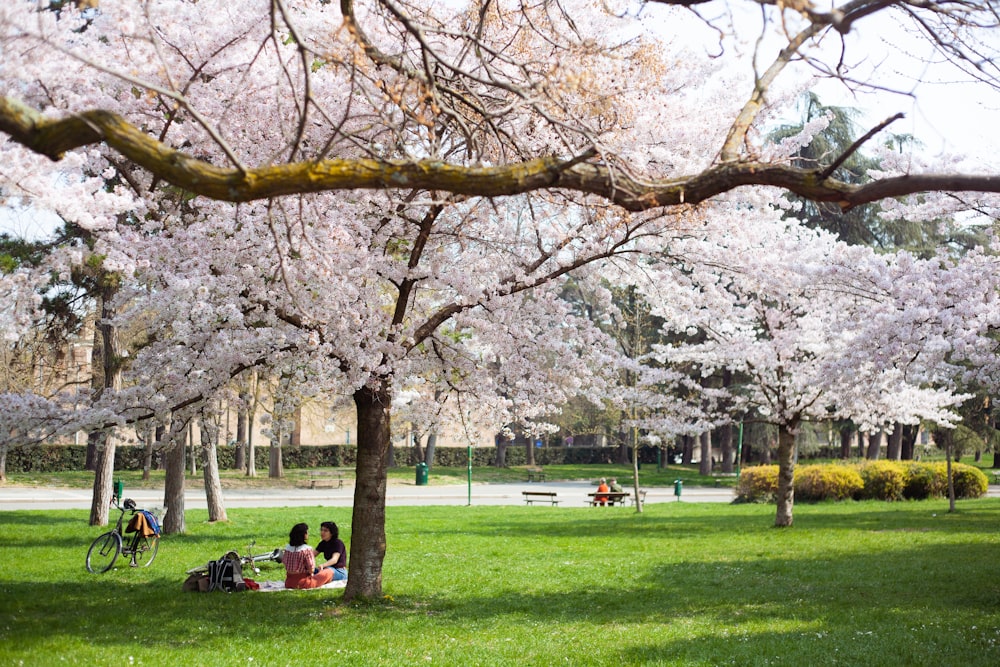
{"x": 273, "y": 556}
{"x": 249, "y": 560}
{"x": 140, "y": 549}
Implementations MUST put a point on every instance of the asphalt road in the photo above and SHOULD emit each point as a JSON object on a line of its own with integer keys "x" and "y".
{"x": 570, "y": 494}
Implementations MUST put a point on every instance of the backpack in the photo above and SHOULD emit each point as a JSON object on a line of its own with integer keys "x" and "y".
{"x": 226, "y": 574}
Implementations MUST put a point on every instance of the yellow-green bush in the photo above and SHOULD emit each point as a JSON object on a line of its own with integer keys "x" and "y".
{"x": 826, "y": 482}
{"x": 970, "y": 481}
{"x": 930, "y": 480}
{"x": 878, "y": 480}
{"x": 922, "y": 482}
{"x": 757, "y": 484}
{"x": 883, "y": 480}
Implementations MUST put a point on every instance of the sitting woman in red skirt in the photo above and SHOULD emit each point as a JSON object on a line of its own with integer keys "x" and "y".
{"x": 300, "y": 562}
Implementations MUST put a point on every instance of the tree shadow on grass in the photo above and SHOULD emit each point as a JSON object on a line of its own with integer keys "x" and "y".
{"x": 116, "y": 615}
{"x": 703, "y": 611}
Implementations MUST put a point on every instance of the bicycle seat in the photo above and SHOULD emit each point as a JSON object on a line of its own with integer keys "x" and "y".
{"x": 129, "y": 504}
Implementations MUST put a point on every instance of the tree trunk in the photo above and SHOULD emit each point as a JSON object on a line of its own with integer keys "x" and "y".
{"x": 687, "y": 454}
{"x": 726, "y": 448}
{"x": 159, "y": 439}
{"x": 847, "y": 436}
{"x": 432, "y": 439}
{"x": 94, "y": 438}
{"x": 705, "y": 465}
{"x": 635, "y": 479}
{"x": 875, "y": 441}
{"x": 946, "y": 435}
{"x": 529, "y": 455}
{"x": 863, "y": 445}
{"x": 3, "y": 463}
{"x": 113, "y": 354}
{"x": 240, "y": 458}
{"x": 149, "y": 438}
{"x": 175, "y": 460}
{"x": 895, "y": 449}
{"x": 501, "y": 453}
{"x": 275, "y": 470}
{"x": 910, "y": 435}
{"x": 94, "y": 444}
{"x": 368, "y": 520}
{"x": 210, "y": 470}
{"x": 418, "y": 450}
{"x": 192, "y": 450}
{"x": 786, "y": 473}
{"x": 251, "y": 446}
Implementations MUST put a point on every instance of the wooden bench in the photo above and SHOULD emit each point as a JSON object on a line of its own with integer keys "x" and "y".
{"x": 536, "y": 475}
{"x": 614, "y": 497}
{"x": 540, "y": 496}
{"x": 325, "y": 479}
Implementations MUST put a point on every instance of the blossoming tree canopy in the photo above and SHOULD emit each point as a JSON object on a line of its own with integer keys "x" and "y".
{"x": 359, "y": 195}
{"x": 244, "y": 101}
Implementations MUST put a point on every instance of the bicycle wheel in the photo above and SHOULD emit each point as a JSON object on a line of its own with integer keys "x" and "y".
{"x": 144, "y": 550}
{"x": 103, "y": 552}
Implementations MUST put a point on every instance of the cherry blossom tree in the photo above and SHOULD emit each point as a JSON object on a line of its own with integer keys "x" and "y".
{"x": 820, "y": 329}
{"x": 354, "y": 195}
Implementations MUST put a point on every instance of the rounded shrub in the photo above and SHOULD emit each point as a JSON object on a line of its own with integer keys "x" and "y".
{"x": 827, "y": 482}
{"x": 970, "y": 481}
{"x": 757, "y": 484}
{"x": 922, "y": 482}
{"x": 883, "y": 480}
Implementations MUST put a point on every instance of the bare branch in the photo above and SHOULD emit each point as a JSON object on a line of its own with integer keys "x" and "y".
{"x": 856, "y": 145}
{"x": 52, "y": 138}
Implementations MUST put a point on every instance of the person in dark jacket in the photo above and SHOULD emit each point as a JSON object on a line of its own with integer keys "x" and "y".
{"x": 333, "y": 550}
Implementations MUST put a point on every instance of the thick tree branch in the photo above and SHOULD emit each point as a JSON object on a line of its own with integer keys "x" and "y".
{"x": 52, "y": 138}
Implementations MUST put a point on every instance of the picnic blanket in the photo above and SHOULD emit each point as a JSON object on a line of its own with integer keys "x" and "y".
{"x": 273, "y": 586}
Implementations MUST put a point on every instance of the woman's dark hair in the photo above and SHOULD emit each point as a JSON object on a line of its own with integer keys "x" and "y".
{"x": 332, "y": 527}
{"x": 297, "y": 537}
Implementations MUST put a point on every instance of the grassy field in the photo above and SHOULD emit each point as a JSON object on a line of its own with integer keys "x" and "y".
{"x": 681, "y": 584}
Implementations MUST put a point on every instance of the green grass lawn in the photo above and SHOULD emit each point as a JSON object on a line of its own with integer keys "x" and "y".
{"x": 649, "y": 475}
{"x": 681, "y": 584}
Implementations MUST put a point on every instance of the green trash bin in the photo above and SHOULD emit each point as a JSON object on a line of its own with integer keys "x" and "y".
{"x": 117, "y": 490}
{"x": 678, "y": 485}
{"x": 421, "y": 474}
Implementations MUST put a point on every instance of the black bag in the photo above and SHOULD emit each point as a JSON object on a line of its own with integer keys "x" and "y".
{"x": 226, "y": 574}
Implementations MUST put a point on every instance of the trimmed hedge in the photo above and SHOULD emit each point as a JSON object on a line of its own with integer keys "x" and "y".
{"x": 826, "y": 482}
{"x": 880, "y": 480}
{"x": 64, "y": 458}
{"x": 883, "y": 480}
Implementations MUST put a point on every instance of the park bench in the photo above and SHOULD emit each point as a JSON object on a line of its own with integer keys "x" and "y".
{"x": 540, "y": 496}
{"x": 536, "y": 475}
{"x": 325, "y": 479}
{"x": 614, "y": 497}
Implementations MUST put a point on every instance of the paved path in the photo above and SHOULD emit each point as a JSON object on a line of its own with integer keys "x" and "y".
{"x": 571, "y": 494}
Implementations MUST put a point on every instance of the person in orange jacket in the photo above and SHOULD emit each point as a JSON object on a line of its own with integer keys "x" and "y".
{"x": 602, "y": 487}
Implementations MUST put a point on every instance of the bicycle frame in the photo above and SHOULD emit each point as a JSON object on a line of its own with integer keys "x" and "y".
{"x": 107, "y": 547}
